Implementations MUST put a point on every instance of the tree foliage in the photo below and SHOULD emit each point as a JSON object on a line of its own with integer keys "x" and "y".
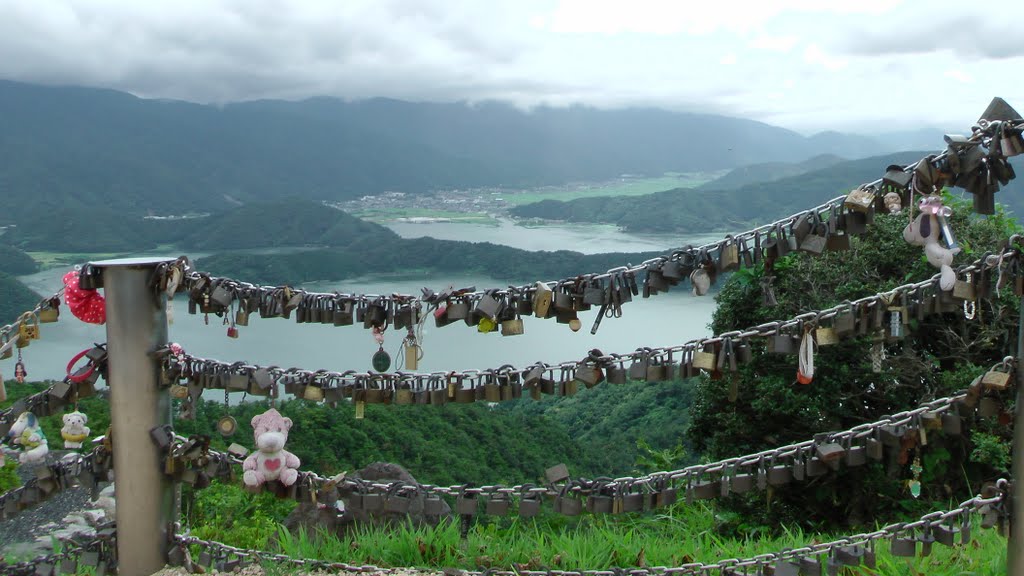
{"x": 939, "y": 356}
{"x": 710, "y": 208}
{"x": 15, "y": 298}
{"x": 16, "y": 262}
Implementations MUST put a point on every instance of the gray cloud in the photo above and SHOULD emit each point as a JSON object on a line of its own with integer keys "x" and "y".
{"x": 716, "y": 57}
{"x": 969, "y": 36}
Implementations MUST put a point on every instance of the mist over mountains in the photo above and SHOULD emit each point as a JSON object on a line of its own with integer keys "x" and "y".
{"x": 80, "y": 147}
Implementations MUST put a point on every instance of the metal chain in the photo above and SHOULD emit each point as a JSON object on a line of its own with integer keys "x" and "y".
{"x": 7, "y": 329}
{"x": 351, "y": 380}
{"x": 72, "y": 470}
{"x": 982, "y": 135}
{"x": 647, "y": 483}
{"x": 45, "y": 403}
{"x": 889, "y": 531}
{"x": 102, "y": 551}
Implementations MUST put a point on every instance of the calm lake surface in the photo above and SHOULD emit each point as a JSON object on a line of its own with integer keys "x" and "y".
{"x": 665, "y": 319}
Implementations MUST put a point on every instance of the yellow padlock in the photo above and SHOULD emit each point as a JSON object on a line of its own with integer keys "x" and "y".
{"x": 28, "y": 329}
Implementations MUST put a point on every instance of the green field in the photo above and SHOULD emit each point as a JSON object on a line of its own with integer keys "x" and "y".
{"x": 624, "y": 187}
{"x": 53, "y": 259}
{"x": 389, "y": 215}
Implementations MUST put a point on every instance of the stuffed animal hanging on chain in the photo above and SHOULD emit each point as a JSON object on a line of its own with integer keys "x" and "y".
{"x": 270, "y": 461}
{"x": 927, "y": 230}
{"x": 74, "y": 432}
{"x": 26, "y": 433}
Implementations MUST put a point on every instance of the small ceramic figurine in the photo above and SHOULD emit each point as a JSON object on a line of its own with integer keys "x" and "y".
{"x": 893, "y": 203}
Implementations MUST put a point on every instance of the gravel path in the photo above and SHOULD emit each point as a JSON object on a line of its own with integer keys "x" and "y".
{"x": 19, "y": 532}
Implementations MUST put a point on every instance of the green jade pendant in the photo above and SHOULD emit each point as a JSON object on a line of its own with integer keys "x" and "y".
{"x": 381, "y": 360}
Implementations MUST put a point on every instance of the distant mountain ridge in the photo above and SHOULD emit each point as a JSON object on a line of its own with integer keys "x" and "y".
{"x": 769, "y": 172}
{"x": 754, "y": 203}
{"x": 65, "y": 147}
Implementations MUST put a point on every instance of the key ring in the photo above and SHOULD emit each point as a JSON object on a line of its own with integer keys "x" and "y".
{"x": 80, "y": 376}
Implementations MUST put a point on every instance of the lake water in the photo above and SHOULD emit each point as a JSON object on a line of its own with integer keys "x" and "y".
{"x": 669, "y": 318}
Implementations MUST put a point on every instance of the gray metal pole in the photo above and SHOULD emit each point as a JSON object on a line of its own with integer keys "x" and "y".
{"x": 136, "y": 325}
{"x": 1015, "y": 541}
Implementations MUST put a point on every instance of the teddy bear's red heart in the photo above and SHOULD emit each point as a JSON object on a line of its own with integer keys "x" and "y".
{"x": 272, "y": 464}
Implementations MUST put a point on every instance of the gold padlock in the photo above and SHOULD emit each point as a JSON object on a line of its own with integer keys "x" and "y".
{"x": 729, "y": 256}
{"x": 512, "y": 327}
{"x": 996, "y": 379}
{"x": 861, "y": 200}
{"x": 542, "y": 300}
{"x": 825, "y": 336}
{"x": 705, "y": 360}
{"x": 49, "y": 315}
{"x": 403, "y": 396}
{"x": 28, "y": 329}
{"x": 313, "y": 393}
{"x": 412, "y": 356}
{"x": 964, "y": 290}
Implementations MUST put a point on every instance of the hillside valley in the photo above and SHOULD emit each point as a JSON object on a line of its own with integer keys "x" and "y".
{"x": 81, "y": 149}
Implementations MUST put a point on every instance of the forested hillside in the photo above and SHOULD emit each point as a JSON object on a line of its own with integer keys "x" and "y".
{"x": 15, "y": 298}
{"x": 712, "y": 209}
{"x": 75, "y": 148}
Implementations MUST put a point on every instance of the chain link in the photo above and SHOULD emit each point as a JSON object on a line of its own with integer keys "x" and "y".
{"x": 192, "y": 277}
{"x": 352, "y": 380}
{"x": 647, "y": 483}
{"x": 6, "y": 342}
{"x": 889, "y": 531}
{"x": 72, "y": 470}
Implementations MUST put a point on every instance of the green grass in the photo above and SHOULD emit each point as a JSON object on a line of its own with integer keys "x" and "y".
{"x": 627, "y": 187}
{"x": 390, "y": 214}
{"x": 54, "y": 259}
{"x": 683, "y": 534}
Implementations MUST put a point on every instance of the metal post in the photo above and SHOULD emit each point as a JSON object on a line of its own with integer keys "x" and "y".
{"x": 136, "y": 325}
{"x": 1015, "y": 541}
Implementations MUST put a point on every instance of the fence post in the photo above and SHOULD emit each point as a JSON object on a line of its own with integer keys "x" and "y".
{"x": 136, "y": 325}
{"x": 1015, "y": 540}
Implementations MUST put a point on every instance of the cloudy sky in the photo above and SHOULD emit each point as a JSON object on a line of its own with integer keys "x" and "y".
{"x": 804, "y": 64}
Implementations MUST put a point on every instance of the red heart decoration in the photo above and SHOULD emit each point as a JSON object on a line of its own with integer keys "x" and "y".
{"x": 272, "y": 464}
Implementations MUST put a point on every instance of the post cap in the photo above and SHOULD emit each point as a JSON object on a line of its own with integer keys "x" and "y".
{"x": 141, "y": 262}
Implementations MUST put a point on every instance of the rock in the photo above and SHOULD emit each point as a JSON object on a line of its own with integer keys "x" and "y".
{"x": 73, "y": 518}
{"x": 73, "y": 531}
{"x": 94, "y": 517}
{"x": 313, "y": 516}
{"x": 105, "y": 502}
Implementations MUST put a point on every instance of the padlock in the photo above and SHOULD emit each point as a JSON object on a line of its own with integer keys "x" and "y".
{"x": 825, "y": 336}
{"x": 529, "y": 507}
{"x": 860, "y": 200}
{"x": 513, "y": 327}
{"x": 542, "y": 297}
{"x": 741, "y": 483}
{"x": 998, "y": 378}
{"x": 903, "y": 547}
{"x": 705, "y": 359}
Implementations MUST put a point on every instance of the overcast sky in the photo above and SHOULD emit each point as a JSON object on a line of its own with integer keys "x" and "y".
{"x": 809, "y": 65}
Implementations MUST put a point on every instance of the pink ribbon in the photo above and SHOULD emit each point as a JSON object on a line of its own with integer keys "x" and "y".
{"x": 87, "y": 305}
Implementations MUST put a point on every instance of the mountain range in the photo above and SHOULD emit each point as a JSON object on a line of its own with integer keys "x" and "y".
{"x": 752, "y": 195}
{"x": 69, "y": 147}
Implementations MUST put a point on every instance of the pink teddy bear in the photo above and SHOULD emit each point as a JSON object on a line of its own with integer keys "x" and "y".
{"x": 271, "y": 461}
